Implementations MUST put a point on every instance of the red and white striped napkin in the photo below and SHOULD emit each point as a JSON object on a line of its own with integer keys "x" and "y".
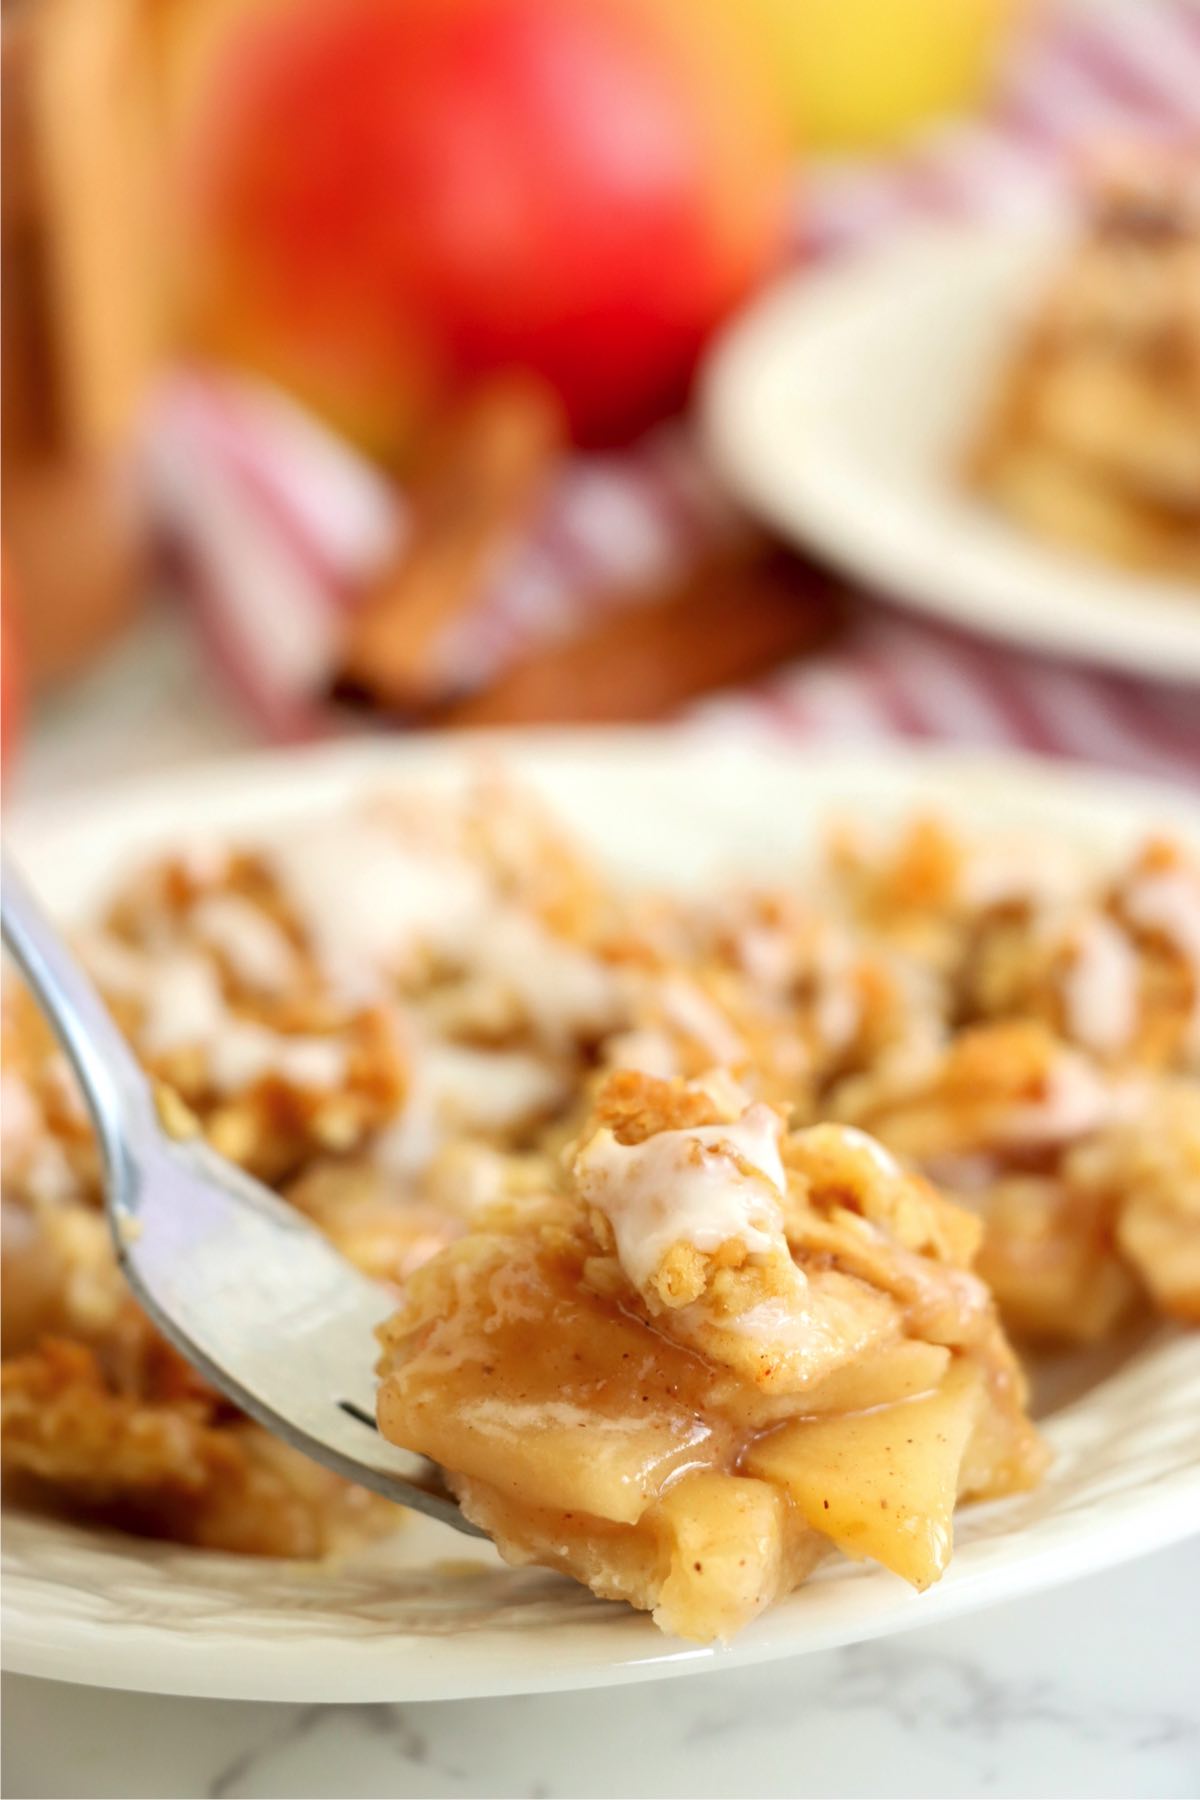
{"x": 274, "y": 521}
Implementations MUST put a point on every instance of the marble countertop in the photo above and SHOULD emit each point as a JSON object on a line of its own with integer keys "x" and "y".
{"x": 1090, "y": 1690}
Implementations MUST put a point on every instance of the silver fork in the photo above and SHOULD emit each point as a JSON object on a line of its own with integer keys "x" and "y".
{"x": 238, "y": 1281}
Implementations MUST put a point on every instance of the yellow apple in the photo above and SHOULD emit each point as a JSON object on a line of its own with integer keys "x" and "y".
{"x": 860, "y": 74}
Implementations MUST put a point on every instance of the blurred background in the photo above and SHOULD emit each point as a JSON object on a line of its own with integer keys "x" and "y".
{"x": 349, "y": 349}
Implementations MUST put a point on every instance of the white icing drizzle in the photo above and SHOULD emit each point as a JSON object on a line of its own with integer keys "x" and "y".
{"x": 245, "y": 1053}
{"x": 702, "y": 1187}
{"x": 562, "y": 991}
{"x": 184, "y": 1008}
{"x": 1100, "y": 987}
{"x": 182, "y": 1003}
{"x": 367, "y": 901}
{"x": 689, "y": 1009}
{"x": 493, "y": 1090}
{"x": 370, "y": 899}
{"x": 455, "y": 1088}
{"x": 251, "y": 942}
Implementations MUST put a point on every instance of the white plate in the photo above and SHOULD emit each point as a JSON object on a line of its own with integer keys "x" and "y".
{"x": 839, "y": 408}
{"x": 432, "y": 1615}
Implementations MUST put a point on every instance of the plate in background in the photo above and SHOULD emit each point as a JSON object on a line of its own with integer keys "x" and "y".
{"x": 432, "y": 1615}
{"x": 839, "y": 408}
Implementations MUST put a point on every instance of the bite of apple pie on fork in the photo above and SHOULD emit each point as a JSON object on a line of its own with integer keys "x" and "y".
{"x": 710, "y": 1352}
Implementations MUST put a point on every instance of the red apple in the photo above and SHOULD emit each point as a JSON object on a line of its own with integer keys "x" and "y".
{"x": 393, "y": 194}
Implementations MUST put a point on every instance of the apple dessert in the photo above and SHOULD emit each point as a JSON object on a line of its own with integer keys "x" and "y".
{"x": 713, "y": 1352}
{"x": 700, "y": 1211}
{"x": 1094, "y": 440}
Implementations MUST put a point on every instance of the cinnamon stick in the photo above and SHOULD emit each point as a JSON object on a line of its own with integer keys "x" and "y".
{"x": 721, "y": 623}
{"x": 471, "y": 501}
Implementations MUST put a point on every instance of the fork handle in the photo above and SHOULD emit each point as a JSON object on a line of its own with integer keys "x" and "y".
{"x": 114, "y": 1086}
